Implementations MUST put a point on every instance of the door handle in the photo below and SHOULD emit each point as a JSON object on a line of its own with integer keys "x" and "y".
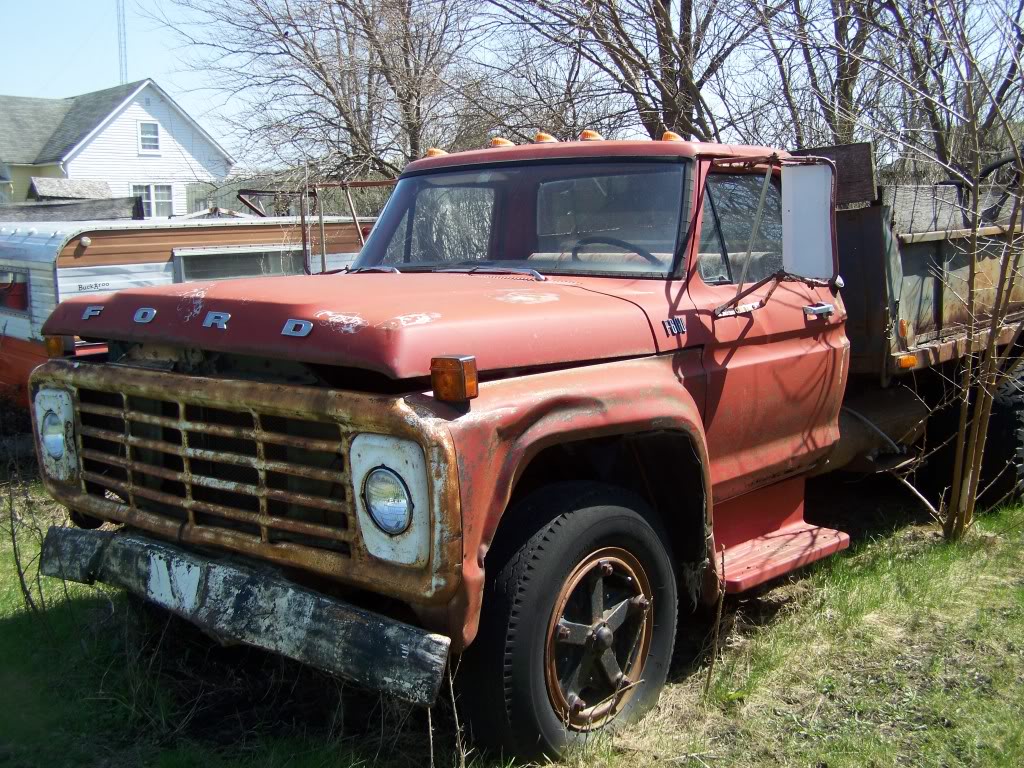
{"x": 819, "y": 310}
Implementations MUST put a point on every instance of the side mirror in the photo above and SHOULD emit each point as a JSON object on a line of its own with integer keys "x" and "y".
{"x": 807, "y": 214}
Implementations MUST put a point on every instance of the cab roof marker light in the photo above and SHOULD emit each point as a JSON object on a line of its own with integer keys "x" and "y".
{"x": 498, "y": 141}
{"x": 671, "y": 136}
{"x": 435, "y": 152}
{"x": 544, "y": 138}
{"x": 589, "y": 135}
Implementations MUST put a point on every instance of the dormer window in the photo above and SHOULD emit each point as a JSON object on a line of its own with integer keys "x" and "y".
{"x": 149, "y": 137}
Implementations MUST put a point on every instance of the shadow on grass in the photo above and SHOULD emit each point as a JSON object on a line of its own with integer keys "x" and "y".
{"x": 866, "y": 508}
{"x": 98, "y": 681}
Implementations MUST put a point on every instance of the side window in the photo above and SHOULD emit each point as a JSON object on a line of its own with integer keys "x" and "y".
{"x": 13, "y": 290}
{"x": 729, "y": 211}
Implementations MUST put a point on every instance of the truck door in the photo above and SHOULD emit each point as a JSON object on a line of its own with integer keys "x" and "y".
{"x": 775, "y": 374}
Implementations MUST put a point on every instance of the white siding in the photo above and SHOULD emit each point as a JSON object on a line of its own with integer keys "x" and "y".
{"x": 41, "y": 301}
{"x": 113, "y": 155}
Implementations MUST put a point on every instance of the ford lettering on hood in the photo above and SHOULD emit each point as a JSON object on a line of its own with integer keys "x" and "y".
{"x": 385, "y": 322}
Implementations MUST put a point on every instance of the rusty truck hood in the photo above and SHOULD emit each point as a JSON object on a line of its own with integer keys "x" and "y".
{"x": 389, "y": 323}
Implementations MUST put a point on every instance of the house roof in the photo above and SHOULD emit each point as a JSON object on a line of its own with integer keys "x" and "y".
{"x": 69, "y": 189}
{"x": 39, "y": 131}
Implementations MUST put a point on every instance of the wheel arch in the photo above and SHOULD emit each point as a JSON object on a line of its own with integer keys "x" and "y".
{"x": 501, "y": 453}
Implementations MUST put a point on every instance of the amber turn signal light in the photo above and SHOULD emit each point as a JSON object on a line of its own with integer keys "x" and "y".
{"x": 54, "y": 346}
{"x": 906, "y": 362}
{"x": 453, "y": 378}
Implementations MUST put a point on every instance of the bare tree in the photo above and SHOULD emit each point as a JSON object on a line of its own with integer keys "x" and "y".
{"x": 662, "y": 55}
{"x": 530, "y": 84}
{"x": 810, "y": 55}
{"x": 349, "y": 87}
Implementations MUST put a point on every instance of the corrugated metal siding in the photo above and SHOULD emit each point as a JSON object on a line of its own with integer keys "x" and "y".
{"x": 113, "y": 154}
{"x": 41, "y": 301}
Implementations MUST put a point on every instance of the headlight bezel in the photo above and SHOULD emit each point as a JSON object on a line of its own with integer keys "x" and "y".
{"x": 383, "y": 470}
{"x": 49, "y": 404}
{"x": 406, "y": 457}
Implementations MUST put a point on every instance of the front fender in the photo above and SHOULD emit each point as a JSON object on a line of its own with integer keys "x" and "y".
{"x": 514, "y": 419}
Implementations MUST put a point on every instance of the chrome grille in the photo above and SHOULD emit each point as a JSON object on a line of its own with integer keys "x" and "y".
{"x": 277, "y": 479}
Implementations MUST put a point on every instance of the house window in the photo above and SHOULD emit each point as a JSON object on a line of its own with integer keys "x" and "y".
{"x": 149, "y": 137}
{"x": 157, "y": 200}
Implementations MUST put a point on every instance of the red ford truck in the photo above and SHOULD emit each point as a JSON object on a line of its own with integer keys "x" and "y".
{"x": 567, "y": 393}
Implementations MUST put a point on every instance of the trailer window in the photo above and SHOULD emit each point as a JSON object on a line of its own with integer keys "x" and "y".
{"x": 728, "y": 213}
{"x": 13, "y": 290}
{"x": 224, "y": 265}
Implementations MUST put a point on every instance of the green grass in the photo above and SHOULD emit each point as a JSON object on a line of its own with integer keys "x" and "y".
{"x": 903, "y": 651}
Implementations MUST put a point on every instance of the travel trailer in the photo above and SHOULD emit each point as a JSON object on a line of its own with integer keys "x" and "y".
{"x": 44, "y": 263}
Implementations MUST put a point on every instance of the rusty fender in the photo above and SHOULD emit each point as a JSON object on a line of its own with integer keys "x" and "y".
{"x": 514, "y": 419}
{"x": 238, "y": 604}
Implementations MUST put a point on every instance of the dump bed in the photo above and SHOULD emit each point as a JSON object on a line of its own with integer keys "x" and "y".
{"x": 904, "y": 260}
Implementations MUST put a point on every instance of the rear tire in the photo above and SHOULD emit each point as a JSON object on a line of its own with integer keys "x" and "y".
{"x": 1002, "y": 466}
{"x": 578, "y": 622}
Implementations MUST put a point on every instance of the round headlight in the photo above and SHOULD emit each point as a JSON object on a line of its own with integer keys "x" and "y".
{"x": 52, "y": 433}
{"x": 387, "y": 500}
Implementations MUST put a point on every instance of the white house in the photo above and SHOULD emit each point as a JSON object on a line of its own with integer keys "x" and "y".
{"x": 134, "y": 138}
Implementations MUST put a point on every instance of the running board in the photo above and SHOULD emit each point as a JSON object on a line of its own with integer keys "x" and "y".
{"x": 765, "y": 535}
{"x": 759, "y": 560}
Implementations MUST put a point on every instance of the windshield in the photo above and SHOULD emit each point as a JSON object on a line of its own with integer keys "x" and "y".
{"x": 561, "y": 218}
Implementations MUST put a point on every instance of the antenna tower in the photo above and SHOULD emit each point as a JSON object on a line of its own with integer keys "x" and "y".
{"x": 122, "y": 43}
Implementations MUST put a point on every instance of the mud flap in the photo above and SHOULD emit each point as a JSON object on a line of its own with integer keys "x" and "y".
{"x": 240, "y": 604}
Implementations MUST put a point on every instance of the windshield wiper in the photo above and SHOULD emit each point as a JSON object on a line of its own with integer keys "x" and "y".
{"x": 500, "y": 271}
{"x": 377, "y": 268}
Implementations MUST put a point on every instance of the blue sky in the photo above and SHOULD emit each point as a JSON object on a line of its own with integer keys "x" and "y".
{"x": 58, "y": 48}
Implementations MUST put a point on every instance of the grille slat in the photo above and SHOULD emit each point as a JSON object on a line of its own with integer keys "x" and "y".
{"x": 219, "y": 430}
{"x": 218, "y": 484}
{"x": 253, "y": 462}
{"x": 213, "y": 467}
{"x": 277, "y": 523}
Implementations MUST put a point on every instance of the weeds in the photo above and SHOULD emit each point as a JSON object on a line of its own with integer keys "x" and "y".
{"x": 906, "y": 650}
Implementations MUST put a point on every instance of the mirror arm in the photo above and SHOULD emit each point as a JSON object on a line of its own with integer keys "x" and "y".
{"x": 732, "y": 307}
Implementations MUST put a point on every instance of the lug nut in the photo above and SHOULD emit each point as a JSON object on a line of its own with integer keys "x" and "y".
{"x": 576, "y": 704}
{"x": 563, "y": 634}
{"x": 640, "y": 603}
{"x": 606, "y": 568}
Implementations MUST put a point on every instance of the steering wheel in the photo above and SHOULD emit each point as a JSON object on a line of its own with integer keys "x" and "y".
{"x": 598, "y": 239}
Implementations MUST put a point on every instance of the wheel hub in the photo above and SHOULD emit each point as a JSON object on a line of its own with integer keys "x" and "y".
{"x": 598, "y": 638}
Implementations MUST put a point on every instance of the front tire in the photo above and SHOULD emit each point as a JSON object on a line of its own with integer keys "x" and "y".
{"x": 578, "y": 622}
